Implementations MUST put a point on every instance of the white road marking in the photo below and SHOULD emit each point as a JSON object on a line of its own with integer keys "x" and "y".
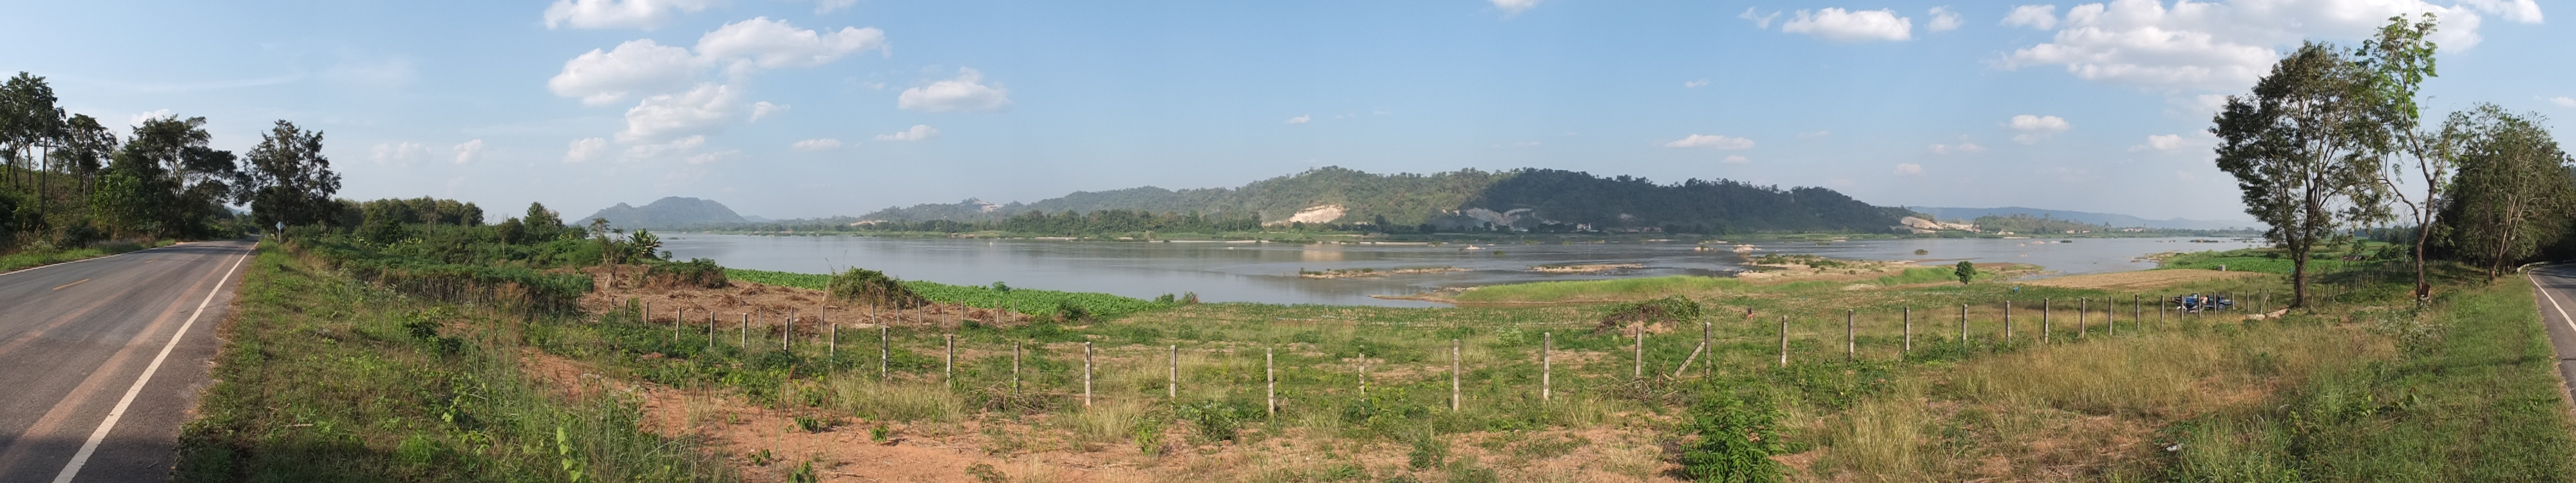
{"x": 28, "y": 269}
{"x": 2553, "y": 303}
{"x": 90, "y": 447}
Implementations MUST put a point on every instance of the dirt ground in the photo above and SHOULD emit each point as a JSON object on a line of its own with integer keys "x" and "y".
{"x": 770, "y": 305}
{"x": 2138, "y": 280}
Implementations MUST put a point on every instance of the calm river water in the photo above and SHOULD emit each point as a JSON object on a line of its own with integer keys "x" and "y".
{"x": 1267, "y": 272}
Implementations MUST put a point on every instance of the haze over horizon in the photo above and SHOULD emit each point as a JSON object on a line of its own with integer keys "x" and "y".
{"x": 793, "y": 109}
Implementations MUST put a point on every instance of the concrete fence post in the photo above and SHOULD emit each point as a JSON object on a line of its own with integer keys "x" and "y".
{"x": 1784, "y": 341}
{"x": 1086, "y": 374}
{"x": 1015, "y": 368}
{"x": 1909, "y": 330}
{"x": 948, "y": 370}
{"x": 2046, "y": 309}
{"x": 1963, "y": 325}
{"x": 2008, "y": 325}
{"x": 1453, "y": 374}
{"x": 1172, "y": 381}
{"x": 885, "y": 351}
{"x": 2083, "y": 309}
{"x": 1640, "y": 365}
{"x": 1270, "y": 370}
{"x": 1851, "y": 340}
{"x": 1363, "y": 375}
{"x": 1546, "y": 366}
{"x": 745, "y": 336}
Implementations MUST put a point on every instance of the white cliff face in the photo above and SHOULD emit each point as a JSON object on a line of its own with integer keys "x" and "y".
{"x": 1919, "y": 225}
{"x": 1315, "y": 214}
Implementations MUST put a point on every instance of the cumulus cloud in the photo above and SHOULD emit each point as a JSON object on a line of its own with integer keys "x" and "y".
{"x": 2222, "y": 46}
{"x": 701, "y": 109}
{"x": 765, "y": 109}
{"x": 1514, "y": 7}
{"x": 1711, "y": 142}
{"x": 138, "y": 118}
{"x": 704, "y": 158}
{"x": 966, "y": 93}
{"x": 916, "y": 133}
{"x": 603, "y": 77}
{"x": 1735, "y": 159}
{"x": 599, "y": 14}
{"x": 1760, "y": 21}
{"x": 2034, "y": 128}
{"x": 585, "y": 149}
{"x": 1695, "y": 84}
{"x": 654, "y": 150}
{"x": 1961, "y": 148}
{"x": 771, "y": 44}
{"x": 2524, "y": 11}
{"x": 468, "y": 151}
{"x": 2041, "y": 17}
{"x": 2563, "y": 101}
{"x": 2159, "y": 142}
{"x": 812, "y": 145}
{"x": 1909, "y": 169}
{"x": 1300, "y": 119}
{"x": 396, "y": 154}
{"x": 1840, "y": 25}
{"x": 1943, "y": 20}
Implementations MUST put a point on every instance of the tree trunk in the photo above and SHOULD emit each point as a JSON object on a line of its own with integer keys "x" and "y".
{"x": 2423, "y": 232}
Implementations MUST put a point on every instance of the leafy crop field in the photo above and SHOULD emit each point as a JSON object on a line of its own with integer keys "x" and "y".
{"x": 1045, "y": 303}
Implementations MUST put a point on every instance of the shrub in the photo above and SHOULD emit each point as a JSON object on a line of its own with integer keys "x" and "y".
{"x": 873, "y": 287}
{"x": 697, "y": 272}
{"x": 1735, "y": 438}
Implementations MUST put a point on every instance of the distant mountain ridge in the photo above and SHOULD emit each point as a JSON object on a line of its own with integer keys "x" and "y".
{"x": 668, "y": 212}
{"x": 2114, "y": 220}
{"x": 1533, "y": 199}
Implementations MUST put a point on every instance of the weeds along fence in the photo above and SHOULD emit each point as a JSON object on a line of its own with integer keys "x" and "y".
{"x": 1497, "y": 378}
{"x": 513, "y": 288}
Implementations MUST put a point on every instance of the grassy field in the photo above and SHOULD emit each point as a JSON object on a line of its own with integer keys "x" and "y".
{"x": 325, "y": 379}
{"x": 1045, "y": 303}
{"x": 31, "y": 258}
{"x": 1888, "y": 379}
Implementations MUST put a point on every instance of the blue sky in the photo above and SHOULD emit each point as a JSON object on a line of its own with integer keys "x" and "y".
{"x": 798, "y": 109}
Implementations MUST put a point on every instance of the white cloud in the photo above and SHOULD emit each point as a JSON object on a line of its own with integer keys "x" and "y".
{"x": 585, "y": 149}
{"x": 701, "y": 109}
{"x": 138, "y": 118}
{"x": 1840, "y": 25}
{"x": 704, "y": 158}
{"x": 2159, "y": 142}
{"x": 966, "y": 93}
{"x": 468, "y": 151}
{"x": 1735, "y": 159}
{"x": 2034, "y": 128}
{"x": 603, "y": 77}
{"x": 2563, "y": 101}
{"x": 1514, "y": 7}
{"x": 812, "y": 145}
{"x": 1300, "y": 119}
{"x": 1961, "y": 148}
{"x": 596, "y": 14}
{"x": 829, "y": 6}
{"x": 2525, "y": 11}
{"x": 1712, "y": 142}
{"x": 765, "y": 109}
{"x": 772, "y": 44}
{"x": 1943, "y": 19}
{"x": 2218, "y": 46}
{"x": 1909, "y": 169}
{"x": 654, "y": 150}
{"x": 1759, "y": 21}
{"x": 397, "y": 154}
{"x": 2041, "y": 17}
{"x": 1695, "y": 84}
{"x": 918, "y": 132}
{"x": 1814, "y": 134}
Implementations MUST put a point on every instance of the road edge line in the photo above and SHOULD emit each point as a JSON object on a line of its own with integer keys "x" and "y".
{"x": 95, "y": 437}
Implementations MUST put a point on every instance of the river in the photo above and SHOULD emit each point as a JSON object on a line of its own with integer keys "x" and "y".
{"x": 1267, "y": 272}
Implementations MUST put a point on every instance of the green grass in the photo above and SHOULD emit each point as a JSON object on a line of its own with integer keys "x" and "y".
{"x": 33, "y": 258}
{"x": 2273, "y": 260}
{"x": 1598, "y": 290}
{"x": 326, "y": 379}
{"x": 1044, "y": 303}
{"x": 2472, "y": 397}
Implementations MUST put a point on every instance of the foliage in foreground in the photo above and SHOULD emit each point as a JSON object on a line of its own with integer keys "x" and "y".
{"x": 327, "y": 379}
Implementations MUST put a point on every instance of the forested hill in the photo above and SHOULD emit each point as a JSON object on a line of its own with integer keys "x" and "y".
{"x": 1535, "y": 199}
{"x": 668, "y": 212}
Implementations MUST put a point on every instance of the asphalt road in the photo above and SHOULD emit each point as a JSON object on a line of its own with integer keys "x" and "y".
{"x": 2557, "y": 293}
{"x": 80, "y": 340}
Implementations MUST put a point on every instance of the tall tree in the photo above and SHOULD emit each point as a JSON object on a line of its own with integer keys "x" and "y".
{"x": 190, "y": 180}
{"x": 2513, "y": 186}
{"x": 29, "y": 120}
{"x": 290, "y": 181}
{"x": 86, "y": 149}
{"x": 2394, "y": 67}
{"x": 2299, "y": 147}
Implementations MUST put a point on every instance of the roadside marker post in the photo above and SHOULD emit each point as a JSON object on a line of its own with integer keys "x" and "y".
{"x": 1909, "y": 330}
{"x": 1546, "y": 366}
{"x": 1784, "y": 341}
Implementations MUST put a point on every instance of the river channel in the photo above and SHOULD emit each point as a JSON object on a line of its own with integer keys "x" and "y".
{"x": 1268, "y": 272}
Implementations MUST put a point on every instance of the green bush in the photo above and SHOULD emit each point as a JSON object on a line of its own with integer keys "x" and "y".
{"x": 1736, "y": 437}
{"x": 873, "y": 287}
{"x": 697, "y": 272}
